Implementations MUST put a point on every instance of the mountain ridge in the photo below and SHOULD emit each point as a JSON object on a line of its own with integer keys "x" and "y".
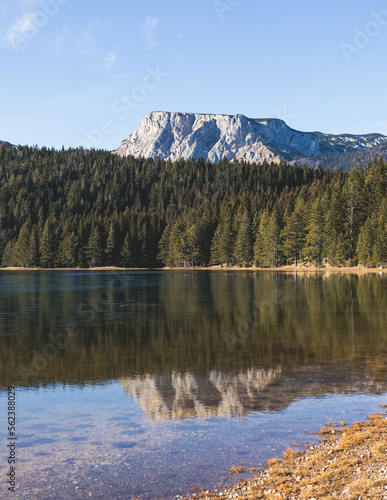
{"x": 174, "y": 135}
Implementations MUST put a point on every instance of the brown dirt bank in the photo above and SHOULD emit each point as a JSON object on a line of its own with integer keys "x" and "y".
{"x": 349, "y": 463}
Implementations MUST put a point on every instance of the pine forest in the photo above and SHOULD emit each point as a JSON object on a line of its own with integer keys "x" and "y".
{"x": 81, "y": 208}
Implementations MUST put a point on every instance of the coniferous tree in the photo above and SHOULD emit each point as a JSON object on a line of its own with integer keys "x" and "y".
{"x": 206, "y": 230}
{"x": 34, "y": 248}
{"x": 178, "y": 244}
{"x": 380, "y": 247}
{"x": 82, "y": 240}
{"x": 243, "y": 247}
{"x": 379, "y": 257}
{"x": 335, "y": 244}
{"x": 47, "y": 245}
{"x": 375, "y": 181}
{"x": 112, "y": 245}
{"x": 164, "y": 251}
{"x": 144, "y": 259}
{"x": 21, "y": 255}
{"x": 273, "y": 239}
{"x": 194, "y": 253}
{"x": 222, "y": 250}
{"x": 355, "y": 208}
{"x": 314, "y": 239}
{"x": 94, "y": 247}
{"x": 365, "y": 246}
{"x": 184, "y": 244}
{"x": 293, "y": 233}
{"x": 7, "y": 260}
{"x": 68, "y": 250}
{"x": 260, "y": 242}
{"x": 266, "y": 249}
{"x": 126, "y": 252}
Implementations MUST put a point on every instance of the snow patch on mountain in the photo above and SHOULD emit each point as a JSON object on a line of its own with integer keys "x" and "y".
{"x": 346, "y": 142}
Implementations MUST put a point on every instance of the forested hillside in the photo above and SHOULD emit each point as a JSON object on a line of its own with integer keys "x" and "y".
{"x": 77, "y": 208}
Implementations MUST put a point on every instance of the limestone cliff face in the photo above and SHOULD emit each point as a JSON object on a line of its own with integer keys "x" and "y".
{"x": 214, "y": 137}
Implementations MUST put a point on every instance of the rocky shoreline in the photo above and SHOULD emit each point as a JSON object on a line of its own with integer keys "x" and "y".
{"x": 349, "y": 462}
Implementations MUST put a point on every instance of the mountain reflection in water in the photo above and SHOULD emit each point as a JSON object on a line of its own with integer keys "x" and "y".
{"x": 198, "y": 344}
{"x": 217, "y": 394}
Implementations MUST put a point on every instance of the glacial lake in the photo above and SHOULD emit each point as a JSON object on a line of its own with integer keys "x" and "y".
{"x": 149, "y": 384}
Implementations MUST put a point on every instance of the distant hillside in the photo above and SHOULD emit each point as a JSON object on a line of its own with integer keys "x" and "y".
{"x": 344, "y": 161}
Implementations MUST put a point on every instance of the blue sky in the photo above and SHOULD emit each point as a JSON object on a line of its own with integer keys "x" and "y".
{"x": 85, "y": 72}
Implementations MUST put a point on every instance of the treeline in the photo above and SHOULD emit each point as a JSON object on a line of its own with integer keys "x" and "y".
{"x": 337, "y": 219}
{"x": 78, "y": 208}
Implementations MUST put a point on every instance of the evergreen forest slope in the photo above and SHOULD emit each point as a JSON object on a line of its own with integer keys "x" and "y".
{"x": 81, "y": 208}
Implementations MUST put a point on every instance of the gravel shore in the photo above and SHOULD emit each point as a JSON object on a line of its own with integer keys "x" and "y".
{"x": 349, "y": 463}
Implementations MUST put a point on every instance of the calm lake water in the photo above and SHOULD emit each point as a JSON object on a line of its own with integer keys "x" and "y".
{"x": 148, "y": 384}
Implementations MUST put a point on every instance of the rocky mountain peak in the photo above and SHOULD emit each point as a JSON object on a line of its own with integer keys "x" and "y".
{"x": 173, "y": 135}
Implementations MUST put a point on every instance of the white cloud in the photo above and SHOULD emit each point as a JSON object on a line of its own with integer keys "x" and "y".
{"x": 33, "y": 16}
{"x": 82, "y": 44}
{"x": 148, "y": 32}
{"x": 21, "y": 30}
{"x": 110, "y": 60}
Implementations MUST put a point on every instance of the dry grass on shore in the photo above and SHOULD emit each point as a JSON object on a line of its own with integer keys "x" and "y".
{"x": 349, "y": 463}
{"x": 360, "y": 270}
